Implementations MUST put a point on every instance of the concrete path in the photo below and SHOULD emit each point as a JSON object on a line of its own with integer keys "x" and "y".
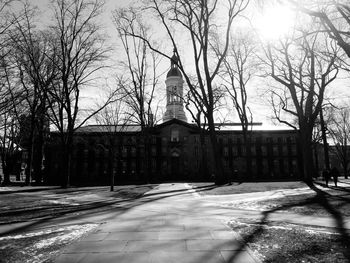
{"x": 171, "y": 223}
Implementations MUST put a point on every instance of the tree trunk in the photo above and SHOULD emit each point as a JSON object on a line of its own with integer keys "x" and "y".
{"x": 204, "y": 167}
{"x": 38, "y": 158}
{"x": 6, "y": 171}
{"x": 219, "y": 175}
{"x": 345, "y": 160}
{"x": 324, "y": 139}
{"x": 30, "y": 155}
{"x": 110, "y": 167}
{"x": 66, "y": 161}
{"x": 306, "y": 151}
{"x": 317, "y": 165}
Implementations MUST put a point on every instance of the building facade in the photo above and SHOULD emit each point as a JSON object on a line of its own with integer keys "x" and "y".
{"x": 174, "y": 150}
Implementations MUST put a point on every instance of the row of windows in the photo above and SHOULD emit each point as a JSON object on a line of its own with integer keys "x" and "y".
{"x": 236, "y": 151}
{"x": 264, "y": 150}
{"x": 238, "y": 140}
{"x": 175, "y": 137}
{"x": 265, "y": 165}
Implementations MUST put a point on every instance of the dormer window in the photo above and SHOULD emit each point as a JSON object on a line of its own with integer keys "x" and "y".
{"x": 174, "y": 135}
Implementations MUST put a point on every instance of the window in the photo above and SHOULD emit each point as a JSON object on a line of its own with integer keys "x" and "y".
{"x": 275, "y": 150}
{"x": 174, "y": 135}
{"x": 133, "y": 151}
{"x": 133, "y": 139}
{"x": 252, "y": 150}
{"x": 225, "y": 151}
{"x": 225, "y": 163}
{"x": 154, "y": 139}
{"x": 244, "y": 152}
{"x": 154, "y": 150}
{"x": 124, "y": 152}
{"x": 164, "y": 150}
{"x": 154, "y": 163}
{"x": 133, "y": 165}
{"x": 174, "y": 95}
{"x": 195, "y": 151}
{"x": 234, "y": 151}
{"x": 285, "y": 150}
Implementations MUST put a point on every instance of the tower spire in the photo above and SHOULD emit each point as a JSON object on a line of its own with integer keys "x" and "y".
{"x": 174, "y": 59}
{"x": 174, "y": 91}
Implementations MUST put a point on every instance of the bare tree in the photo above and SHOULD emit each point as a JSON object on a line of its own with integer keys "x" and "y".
{"x": 5, "y": 18}
{"x": 335, "y": 19}
{"x": 6, "y": 21}
{"x": 303, "y": 67}
{"x": 203, "y": 23}
{"x": 238, "y": 70}
{"x": 113, "y": 120}
{"x": 81, "y": 53}
{"x": 139, "y": 79}
{"x": 339, "y": 130}
{"x": 10, "y": 99}
{"x": 34, "y": 58}
{"x": 11, "y": 110}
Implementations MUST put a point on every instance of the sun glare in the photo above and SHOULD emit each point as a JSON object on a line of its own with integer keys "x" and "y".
{"x": 275, "y": 22}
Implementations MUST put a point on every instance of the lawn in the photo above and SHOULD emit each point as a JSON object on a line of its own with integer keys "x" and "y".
{"x": 281, "y": 242}
{"x": 238, "y": 188}
{"x": 44, "y": 243}
{"x": 274, "y": 243}
{"x": 28, "y": 205}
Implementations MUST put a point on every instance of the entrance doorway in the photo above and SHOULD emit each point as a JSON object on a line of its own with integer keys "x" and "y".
{"x": 175, "y": 168}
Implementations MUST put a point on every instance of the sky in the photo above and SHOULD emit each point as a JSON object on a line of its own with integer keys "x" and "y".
{"x": 262, "y": 19}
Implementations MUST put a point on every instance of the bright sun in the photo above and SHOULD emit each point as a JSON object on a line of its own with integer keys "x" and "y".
{"x": 274, "y": 22}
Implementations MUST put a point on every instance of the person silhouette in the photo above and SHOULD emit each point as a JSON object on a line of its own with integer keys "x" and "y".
{"x": 325, "y": 175}
{"x": 335, "y": 175}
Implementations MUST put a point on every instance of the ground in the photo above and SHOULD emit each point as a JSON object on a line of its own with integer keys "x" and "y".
{"x": 275, "y": 240}
{"x": 22, "y": 207}
{"x": 279, "y": 222}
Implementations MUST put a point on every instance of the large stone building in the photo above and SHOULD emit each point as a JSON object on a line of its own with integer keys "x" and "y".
{"x": 175, "y": 150}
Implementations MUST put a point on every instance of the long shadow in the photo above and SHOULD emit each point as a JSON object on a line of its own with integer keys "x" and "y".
{"x": 338, "y": 188}
{"x": 321, "y": 198}
{"x": 125, "y": 205}
{"x": 28, "y": 190}
{"x": 90, "y": 208}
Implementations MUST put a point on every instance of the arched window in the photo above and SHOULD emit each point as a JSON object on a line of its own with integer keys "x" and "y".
{"x": 174, "y": 95}
{"x": 174, "y": 135}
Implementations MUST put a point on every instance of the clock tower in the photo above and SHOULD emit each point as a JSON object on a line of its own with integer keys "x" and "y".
{"x": 174, "y": 93}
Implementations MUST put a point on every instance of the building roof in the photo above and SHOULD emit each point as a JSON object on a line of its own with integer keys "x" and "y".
{"x": 133, "y": 128}
{"x": 177, "y": 121}
{"x": 108, "y": 128}
{"x": 174, "y": 72}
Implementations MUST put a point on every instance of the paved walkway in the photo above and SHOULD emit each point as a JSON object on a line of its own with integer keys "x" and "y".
{"x": 169, "y": 224}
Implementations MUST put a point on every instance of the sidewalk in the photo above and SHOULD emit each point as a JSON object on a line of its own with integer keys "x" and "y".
{"x": 170, "y": 224}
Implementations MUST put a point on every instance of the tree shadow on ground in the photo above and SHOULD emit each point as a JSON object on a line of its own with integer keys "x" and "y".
{"x": 321, "y": 198}
{"x": 102, "y": 207}
{"x": 110, "y": 209}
